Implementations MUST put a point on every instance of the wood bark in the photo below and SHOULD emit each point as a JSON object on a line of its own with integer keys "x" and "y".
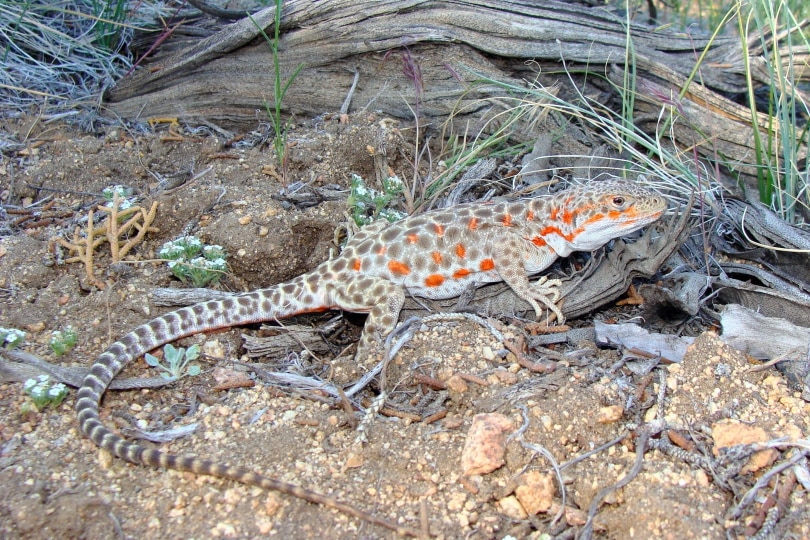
{"x": 227, "y": 77}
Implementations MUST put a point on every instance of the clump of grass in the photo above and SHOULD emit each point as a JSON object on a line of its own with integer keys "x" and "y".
{"x": 784, "y": 143}
{"x": 61, "y": 54}
{"x": 773, "y": 33}
{"x": 280, "y": 87}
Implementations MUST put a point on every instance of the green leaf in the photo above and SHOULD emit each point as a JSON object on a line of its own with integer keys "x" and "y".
{"x": 172, "y": 354}
{"x": 151, "y": 360}
{"x": 193, "y": 352}
{"x": 194, "y": 370}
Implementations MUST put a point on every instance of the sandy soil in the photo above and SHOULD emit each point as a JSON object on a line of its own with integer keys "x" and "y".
{"x": 56, "y": 484}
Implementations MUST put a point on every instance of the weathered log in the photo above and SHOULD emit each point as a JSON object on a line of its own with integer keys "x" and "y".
{"x": 227, "y": 77}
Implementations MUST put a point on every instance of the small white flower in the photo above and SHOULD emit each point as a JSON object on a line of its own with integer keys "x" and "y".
{"x": 29, "y": 384}
{"x": 56, "y": 390}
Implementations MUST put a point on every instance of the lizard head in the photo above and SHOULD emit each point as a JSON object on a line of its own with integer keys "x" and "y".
{"x": 601, "y": 211}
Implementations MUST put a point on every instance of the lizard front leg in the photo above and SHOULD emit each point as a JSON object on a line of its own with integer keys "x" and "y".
{"x": 512, "y": 257}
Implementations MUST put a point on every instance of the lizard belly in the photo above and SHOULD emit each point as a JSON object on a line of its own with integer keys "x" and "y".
{"x": 451, "y": 287}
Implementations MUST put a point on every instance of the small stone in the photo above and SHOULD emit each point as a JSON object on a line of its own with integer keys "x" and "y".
{"x": 105, "y": 459}
{"x": 510, "y": 506}
{"x": 535, "y": 492}
{"x": 506, "y": 377}
{"x": 486, "y": 443}
{"x": 244, "y": 220}
{"x": 232, "y": 496}
{"x": 176, "y": 512}
{"x": 263, "y": 231}
{"x": 214, "y": 348}
{"x": 456, "y": 384}
{"x": 487, "y": 353}
{"x": 35, "y": 327}
{"x": 610, "y": 414}
{"x": 353, "y": 461}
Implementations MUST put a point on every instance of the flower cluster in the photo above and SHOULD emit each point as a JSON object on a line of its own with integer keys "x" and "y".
{"x": 11, "y": 338}
{"x": 125, "y": 198}
{"x": 190, "y": 260}
{"x": 63, "y": 341}
{"x": 43, "y": 393}
{"x": 367, "y": 204}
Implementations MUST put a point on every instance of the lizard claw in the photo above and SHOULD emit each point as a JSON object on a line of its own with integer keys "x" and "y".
{"x": 546, "y": 291}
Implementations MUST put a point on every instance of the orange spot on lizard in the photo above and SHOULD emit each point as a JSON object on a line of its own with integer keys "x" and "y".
{"x": 487, "y": 264}
{"x": 437, "y": 257}
{"x": 538, "y": 241}
{"x": 567, "y": 216}
{"x": 356, "y": 265}
{"x": 507, "y": 220}
{"x": 413, "y": 238}
{"x": 438, "y": 228}
{"x": 461, "y": 273}
{"x": 473, "y": 224}
{"x": 529, "y": 215}
{"x": 399, "y": 267}
{"x": 461, "y": 251}
{"x": 382, "y": 250}
{"x": 434, "y": 280}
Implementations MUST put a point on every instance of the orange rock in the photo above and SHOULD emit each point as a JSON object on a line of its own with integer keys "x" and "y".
{"x": 535, "y": 492}
{"x": 727, "y": 433}
{"x": 486, "y": 443}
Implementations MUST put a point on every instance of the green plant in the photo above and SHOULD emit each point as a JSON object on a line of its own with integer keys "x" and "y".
{"x": 59, "y": 55}
{"x": 43, "y": 393}
{"x": 279, "y": 88}
{"x": 177, "y": 360}
{"x": 63, "y": 341}
{"x": 11, "y": 338}
{"x": 367, "y": 204}
{"x": 190, "y": 260}
{"x": 110, "y": 17}
{"x": 125, "y": 198}
{"x": 784, "y": 143}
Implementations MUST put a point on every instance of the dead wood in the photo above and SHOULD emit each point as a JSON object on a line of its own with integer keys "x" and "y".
{"x": 226, "y": 77}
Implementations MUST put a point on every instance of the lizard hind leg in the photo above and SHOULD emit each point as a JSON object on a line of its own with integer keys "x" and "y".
{"x": 382, "y": 300}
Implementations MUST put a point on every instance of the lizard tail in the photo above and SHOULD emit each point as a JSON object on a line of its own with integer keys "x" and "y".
{"x": 239, "y": 310}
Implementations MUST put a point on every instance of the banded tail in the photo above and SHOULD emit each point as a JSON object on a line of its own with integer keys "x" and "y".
{"x": 257, "y": 306}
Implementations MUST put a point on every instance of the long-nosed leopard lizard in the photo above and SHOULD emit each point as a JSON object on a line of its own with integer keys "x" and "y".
{"x": 435, "y": 255}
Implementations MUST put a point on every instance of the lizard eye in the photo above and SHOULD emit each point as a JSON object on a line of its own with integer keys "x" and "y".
{"x": 618, "y": 201}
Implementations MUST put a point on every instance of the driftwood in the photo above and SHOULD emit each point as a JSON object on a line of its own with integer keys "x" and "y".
{"x": 226, "y": 77}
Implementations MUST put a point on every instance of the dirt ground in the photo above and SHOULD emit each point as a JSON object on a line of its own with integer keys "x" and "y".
{"x": 56, "y": 484}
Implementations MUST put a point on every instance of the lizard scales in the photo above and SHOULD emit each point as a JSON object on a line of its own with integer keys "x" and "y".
{"x": 436, "y": 255}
